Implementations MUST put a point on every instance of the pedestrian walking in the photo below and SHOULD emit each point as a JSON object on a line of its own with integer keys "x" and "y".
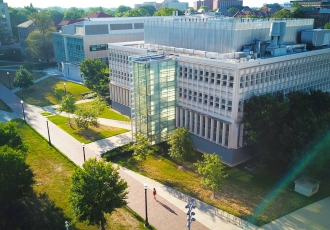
{"x": 154, "y": 193}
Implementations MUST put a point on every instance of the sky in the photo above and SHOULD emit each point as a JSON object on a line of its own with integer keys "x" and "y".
{"x": 111, "y": 3}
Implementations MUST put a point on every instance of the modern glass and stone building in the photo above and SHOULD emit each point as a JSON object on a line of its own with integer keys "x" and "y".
{"x": 90, "y": 38}
{"x": 219, "y": 65}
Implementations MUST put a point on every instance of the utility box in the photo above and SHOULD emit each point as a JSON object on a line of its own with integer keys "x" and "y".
{"x": 306, "y": 186}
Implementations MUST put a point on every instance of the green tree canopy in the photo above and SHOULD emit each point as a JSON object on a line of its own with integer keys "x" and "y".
{"x": 42, "y": 21}
{"x": 121, "y": 10}
{"x": 212, "y": 171}
{"x": 95, "y": 75}
{"x": 181, "y": 144}
{"x": 96, "y": 189}
{"x": 23, "y": 78}
{"x": 233, "y": 10}
{"x": 149, "y": 8}
{"x": 16, "y": 177}
{"x": 284, "y": 130}
{"x": 133, "y": 13}
{"x": 68, "y": 105}
{"x": 10, "y": 136}
{"x": 284, "y": 13}
{"x": 74, "y": 13}
{"x": 327, "y": 25}
{"x": 55, "y": 14}
{"x": 166, "y": 11}
{"x": 88, "y": 116}
{"x": 141, "y": 147}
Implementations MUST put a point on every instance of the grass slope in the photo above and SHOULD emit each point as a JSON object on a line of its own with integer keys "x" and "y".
{"x": 52, "y": 174}
{"x": 86, "y": 136}
{"x": 42, "y": 93}
{"x": 242, "y": 194}
{"x": 108, "y": 113}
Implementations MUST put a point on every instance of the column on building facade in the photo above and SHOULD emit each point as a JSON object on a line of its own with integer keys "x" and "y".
{"x": 195, "y": 123}
{"x": 224, "y": 126}
{"x": 212, "y": 130}
{"x": 191, "y": 121}
{"x": 181, "y": 118}
{"x": 186, "y": 112}
{"x": 206, "y": 127}
{"x": 200, "y": 125}
{"x": 233, "y": 135}
{"x": 218, "y": 132}
{"x": 177, "y": 114}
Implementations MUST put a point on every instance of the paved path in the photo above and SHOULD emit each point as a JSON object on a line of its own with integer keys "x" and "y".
{"x": 167, "y": 212}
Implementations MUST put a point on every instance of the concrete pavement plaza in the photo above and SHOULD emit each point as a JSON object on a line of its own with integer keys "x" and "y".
{"x": 168, "y": 211}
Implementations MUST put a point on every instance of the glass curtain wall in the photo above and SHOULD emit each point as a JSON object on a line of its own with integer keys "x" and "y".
{"x": 155, "y": 96}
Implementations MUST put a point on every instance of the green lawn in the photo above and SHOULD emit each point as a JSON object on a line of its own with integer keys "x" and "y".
{"x": 5, "y": 107}
{"x": 86, "y": 136}
{"x": 108, "y": 113}
{"x": 52, "y": 174}
{"x": 8, "y": 63}
{"x": 242, "y": 194}
{"x": 42, "y": 93}
{"x": 4, "y": 77}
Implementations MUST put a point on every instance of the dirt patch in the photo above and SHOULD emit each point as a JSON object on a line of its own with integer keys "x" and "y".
{"x": 182, "y": 168}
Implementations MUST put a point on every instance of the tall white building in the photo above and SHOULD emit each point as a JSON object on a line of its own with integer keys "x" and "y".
{"x": 211, "y": 87}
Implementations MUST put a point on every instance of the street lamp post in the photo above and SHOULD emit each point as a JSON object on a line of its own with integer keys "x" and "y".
{"x": 8, "y": 80}
{"x": 83, "y": 146}
{"x": 48, "y": 132}
{"x": 145, "y": 197}
{"x": 23, "y": 111}
{"x": 190, "y": 206}
{"x": 67, "y": 225}
{"x": 64, "y": 88}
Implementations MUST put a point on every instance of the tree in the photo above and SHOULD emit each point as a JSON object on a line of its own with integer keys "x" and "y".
{"x": 88, "y": 116}
{"x": 68, "y": 105}
{"x": 141, "y": 147}
{"x": 166, "y": 11}
{"x": 5, "y": 37}
{"x": 54, "y": 14}
{"x": 212, "y": 171}
{"x": 150, "y": 8}
{"x": 10, "y": 136}
{"x": 233, "y": 10}
{"x": 205, "y": 8}
{"x": 59, "y": 93}
{"x": 23, "y": 78}
{"x": 16, "y": 177}
{"x": 284, "y": 13}
{"x": 133, "y": 13}
{"x": 121, "y": 10}
{"x": 327, "y": 25}
{"x": 74, "y": 13}
{"x": 95, "y": 75}
{"x": 40, "y": 46}
{"x": 42, "y": 21}
{"x": 39, "y": 42}
{"x": 181, "y": 144}
{"x": 96, "y": 189}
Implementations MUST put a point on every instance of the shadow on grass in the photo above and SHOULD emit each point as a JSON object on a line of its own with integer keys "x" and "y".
{"x": 37, "y": 212}
{"x": 88, "y": 134}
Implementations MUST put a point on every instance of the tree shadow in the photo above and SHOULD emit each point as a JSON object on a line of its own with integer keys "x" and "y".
{"x": 35, "y": 212}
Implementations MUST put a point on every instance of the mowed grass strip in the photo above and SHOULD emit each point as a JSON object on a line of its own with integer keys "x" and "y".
{"x": 4, "y": 77}
{"x": 107, "y": 113}
{"x": 85, "y": 136}
{"x": 42, "y": 93}
{"x": 52, "y": 172}
{"x": 242, "y": 194}
{"x": 5, "y": 107}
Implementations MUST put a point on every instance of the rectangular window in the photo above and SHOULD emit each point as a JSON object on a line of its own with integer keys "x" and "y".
{"x": 98, "y": 47}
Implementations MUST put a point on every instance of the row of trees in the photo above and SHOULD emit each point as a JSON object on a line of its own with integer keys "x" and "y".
{"x": 287, "y": 130}
{"x": 16, "y": 177}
